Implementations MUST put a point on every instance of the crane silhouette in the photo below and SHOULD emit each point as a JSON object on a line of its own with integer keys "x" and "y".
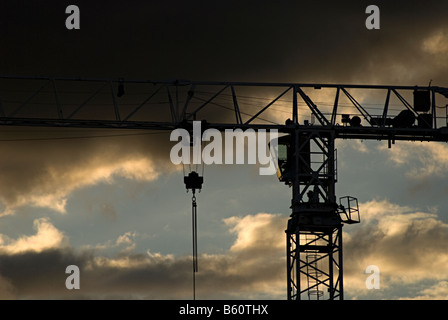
{"x": 306, "y": 158}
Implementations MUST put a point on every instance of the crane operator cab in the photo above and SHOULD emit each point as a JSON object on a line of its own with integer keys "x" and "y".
{"x": 284, "y": 170}
{"x": 285, "y": 159}
{"x": 315, "y": 178}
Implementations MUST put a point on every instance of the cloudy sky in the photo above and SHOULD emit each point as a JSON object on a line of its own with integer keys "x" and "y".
{"x": 117, "y": 208}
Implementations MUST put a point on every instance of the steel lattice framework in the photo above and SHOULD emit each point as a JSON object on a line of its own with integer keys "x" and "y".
{"x": 312, "y": 116}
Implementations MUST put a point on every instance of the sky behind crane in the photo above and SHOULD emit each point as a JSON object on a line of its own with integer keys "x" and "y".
{"x": 116, "y": 207}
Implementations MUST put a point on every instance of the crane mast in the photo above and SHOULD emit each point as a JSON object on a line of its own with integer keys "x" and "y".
{"x": 307, "y": 157}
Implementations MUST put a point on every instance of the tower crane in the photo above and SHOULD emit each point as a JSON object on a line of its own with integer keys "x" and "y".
{"x": 306, "y": 150}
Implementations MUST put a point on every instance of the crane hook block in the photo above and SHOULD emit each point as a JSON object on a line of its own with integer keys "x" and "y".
{"x": 193, "y": 181}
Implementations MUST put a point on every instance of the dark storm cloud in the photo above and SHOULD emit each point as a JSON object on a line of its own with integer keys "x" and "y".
{"x": 218, "y": 40}
{"x": 394, "y": 238}
{"x": 48, "y": 270}
{"x": 300, "y": 41}
{"x": 253, "y": 265}
{"x": 43, "y": 173}
{"x": 137, "y": 276}
{"x": 313, "y": 41}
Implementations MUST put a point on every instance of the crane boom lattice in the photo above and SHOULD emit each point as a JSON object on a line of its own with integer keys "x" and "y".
{"x": 311, "y": 117}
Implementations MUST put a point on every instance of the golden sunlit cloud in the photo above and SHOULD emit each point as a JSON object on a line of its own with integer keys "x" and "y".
{"x": 47, "y": 237}
{"x": 395, "y": 238}
{"x": 407, "y": 245}
{"x": 59, "y": 183}
{"x": 437, "y": 44}
{"x": 252, "y": 267}
{"x": 256, "y": 231}
{"x": 431, "y": 158}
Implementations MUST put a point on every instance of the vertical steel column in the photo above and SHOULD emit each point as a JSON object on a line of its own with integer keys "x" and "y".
{"x": 314, "y": 231}
{"x": 341, "y": 263}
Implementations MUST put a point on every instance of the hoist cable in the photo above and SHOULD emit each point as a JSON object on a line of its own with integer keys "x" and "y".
{"x": 195, "y": 242}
